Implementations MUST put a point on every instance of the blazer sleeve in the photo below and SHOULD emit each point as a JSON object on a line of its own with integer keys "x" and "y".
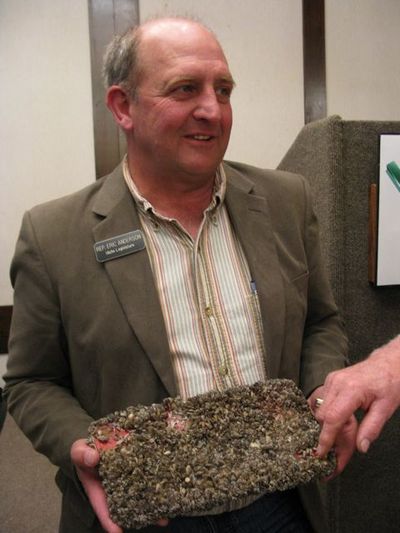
{"x": 325, "y": 345}
{"x": 38, "y": 380}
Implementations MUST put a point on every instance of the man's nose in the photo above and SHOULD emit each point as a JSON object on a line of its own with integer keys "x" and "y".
{"x": 208, "y": 107}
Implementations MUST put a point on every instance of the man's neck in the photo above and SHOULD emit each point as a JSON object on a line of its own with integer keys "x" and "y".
{"x": 183, "y": 200}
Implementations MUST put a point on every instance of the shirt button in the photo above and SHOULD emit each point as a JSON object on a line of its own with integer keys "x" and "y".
{"x": 208, "y": 311}
{"x": 223, "y": 370}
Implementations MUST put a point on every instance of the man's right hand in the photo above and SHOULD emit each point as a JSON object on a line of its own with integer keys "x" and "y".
{"x": 86, "y": 460}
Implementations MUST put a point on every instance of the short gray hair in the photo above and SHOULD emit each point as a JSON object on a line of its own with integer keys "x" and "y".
{"x": 121, "y": 65}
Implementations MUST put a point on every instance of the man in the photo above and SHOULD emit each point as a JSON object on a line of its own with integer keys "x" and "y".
{"x": 175, "y": 274}
{"x": 372, "y": 385}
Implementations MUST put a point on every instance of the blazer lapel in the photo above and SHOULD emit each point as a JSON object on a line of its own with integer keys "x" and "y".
{"x": 250, "y": 217}
{"x": 131, "y": 276}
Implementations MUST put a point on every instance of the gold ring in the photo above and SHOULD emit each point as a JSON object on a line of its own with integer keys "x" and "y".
{"x": 318, "y": 402}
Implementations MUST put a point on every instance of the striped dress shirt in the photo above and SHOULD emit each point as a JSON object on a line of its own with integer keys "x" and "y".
{"x": 208, "y": 299}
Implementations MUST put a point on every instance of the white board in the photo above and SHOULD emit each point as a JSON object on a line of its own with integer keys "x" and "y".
{"x": 388, "y": 250}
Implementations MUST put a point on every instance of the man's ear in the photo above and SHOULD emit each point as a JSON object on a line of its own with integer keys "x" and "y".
{"x": 118, "y": 102}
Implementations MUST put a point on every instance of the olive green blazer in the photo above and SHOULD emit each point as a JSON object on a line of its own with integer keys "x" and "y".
{"x": 88, "y": 338}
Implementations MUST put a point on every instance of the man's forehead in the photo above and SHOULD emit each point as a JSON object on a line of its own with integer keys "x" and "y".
{"x": 167, "y": 27}
{"x": 186, "y": 56}
{"x": 174, "y": 38}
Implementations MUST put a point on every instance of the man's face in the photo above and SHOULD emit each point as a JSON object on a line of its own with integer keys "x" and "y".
{"x": 181, "y": 115}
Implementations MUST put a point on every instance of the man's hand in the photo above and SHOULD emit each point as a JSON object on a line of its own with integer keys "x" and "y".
{"x": 86, "y": 460}
{"x": 344, "y": 442}
{"x": 372, "y": 385}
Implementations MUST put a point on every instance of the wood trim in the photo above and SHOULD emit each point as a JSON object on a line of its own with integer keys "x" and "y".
{"x": 106, "y": 19}
{"x": 5, "y": 322}
{"x": 315, "y": 106}
{"x": 372, "y": 232}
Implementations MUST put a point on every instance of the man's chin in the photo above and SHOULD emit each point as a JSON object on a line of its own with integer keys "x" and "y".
{"x": 200, "y": 167}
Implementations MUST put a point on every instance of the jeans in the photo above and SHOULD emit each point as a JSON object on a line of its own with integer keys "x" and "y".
{"x": 279, "y": 512}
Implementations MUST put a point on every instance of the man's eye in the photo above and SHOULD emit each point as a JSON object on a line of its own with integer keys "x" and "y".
{"x": 186, "y": 88}
{"x": 224, "y": 92}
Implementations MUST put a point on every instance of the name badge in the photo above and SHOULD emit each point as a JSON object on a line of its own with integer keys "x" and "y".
{"x": 125, "y": 244}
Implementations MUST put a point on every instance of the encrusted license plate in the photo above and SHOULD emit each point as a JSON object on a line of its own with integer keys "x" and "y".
{"x": 184, "y": 457}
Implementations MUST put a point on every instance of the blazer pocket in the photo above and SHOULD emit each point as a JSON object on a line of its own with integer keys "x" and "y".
{"x": 301, "y": 280}
{"x": 296, "y": 301}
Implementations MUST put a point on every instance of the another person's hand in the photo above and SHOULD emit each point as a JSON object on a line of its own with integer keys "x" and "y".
{"x": 372, "y": 385}
{"x": 344, "y": 442}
